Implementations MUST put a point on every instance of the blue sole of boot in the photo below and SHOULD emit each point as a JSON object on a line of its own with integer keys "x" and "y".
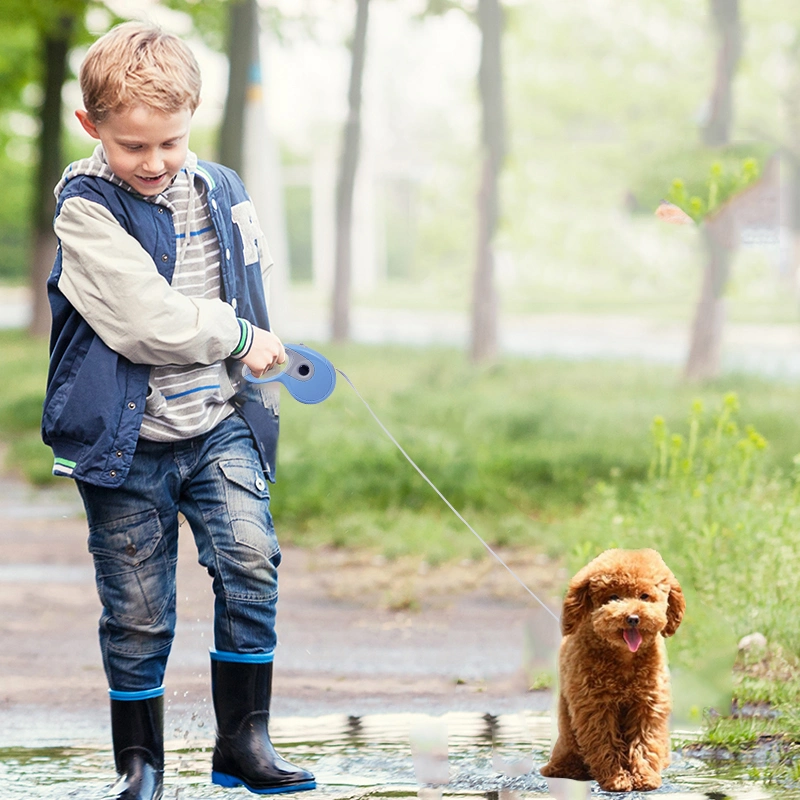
{"x": 229, "y": 782}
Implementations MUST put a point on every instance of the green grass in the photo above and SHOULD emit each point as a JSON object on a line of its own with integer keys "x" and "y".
{"x": 23, "y": 366}
{"x": 520, "y": 444}
{"x": 541, "y": 456}
{"x": 725, "y": 520}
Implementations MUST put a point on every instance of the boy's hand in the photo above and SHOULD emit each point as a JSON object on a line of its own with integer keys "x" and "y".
{"x": 265, "y": 352}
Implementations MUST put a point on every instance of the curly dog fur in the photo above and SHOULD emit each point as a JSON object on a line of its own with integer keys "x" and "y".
{"x": 614, "y": 703}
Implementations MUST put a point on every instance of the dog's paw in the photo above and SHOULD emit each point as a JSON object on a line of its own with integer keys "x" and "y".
{"x": 570, "y": 770}
{"x": 646, "y": 780}
{"x": 619, "y": 782}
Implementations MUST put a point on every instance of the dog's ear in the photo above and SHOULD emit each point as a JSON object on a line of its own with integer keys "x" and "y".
{"x": 577, "y": 604}
{"x": 676, "y": 605}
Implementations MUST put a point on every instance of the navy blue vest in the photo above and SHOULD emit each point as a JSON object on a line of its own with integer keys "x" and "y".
{"x": 95, "y": 397}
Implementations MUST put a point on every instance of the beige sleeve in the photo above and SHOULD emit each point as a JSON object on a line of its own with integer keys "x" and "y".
{"x": 113, "y": 283}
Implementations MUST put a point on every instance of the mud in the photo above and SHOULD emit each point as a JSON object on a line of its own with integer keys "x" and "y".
{"x": 467, "y": 641}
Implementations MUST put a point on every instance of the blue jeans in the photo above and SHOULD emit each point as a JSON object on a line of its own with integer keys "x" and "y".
{"x": 217, "y": 482}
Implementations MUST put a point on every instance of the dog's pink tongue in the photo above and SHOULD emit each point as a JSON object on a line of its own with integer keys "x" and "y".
{"x": 632, "y": 638}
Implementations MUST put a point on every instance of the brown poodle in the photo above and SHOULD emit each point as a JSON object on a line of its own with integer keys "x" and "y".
{"x": 614, "y": 705}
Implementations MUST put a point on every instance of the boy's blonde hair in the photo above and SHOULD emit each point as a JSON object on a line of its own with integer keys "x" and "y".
{"x": 136, "y": 63}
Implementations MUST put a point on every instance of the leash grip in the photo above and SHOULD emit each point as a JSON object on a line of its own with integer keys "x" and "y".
{"x": 307, "y": 375}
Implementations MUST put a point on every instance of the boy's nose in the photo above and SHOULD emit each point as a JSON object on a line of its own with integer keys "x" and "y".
{"x": 154, "y": 163}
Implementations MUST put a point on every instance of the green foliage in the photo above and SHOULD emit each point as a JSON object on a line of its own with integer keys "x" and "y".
{"x": 726, "y": 525}
{"x": 513, "y": 448}
{"x": 23, "y": 28}
{"x": 17, "y": 62}
{"x": 722, "y": 184}
{"x": 14, "y": 224}
{"x": 706, "y": 176}
{"x": 23, "y": 364}
{"x": 209, "y": 18}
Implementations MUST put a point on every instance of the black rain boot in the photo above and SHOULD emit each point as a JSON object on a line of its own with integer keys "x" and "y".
{"x": 137, "y": 731}
{"x": 244, "y": 755}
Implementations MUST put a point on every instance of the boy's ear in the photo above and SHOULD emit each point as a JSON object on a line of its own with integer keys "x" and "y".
{"x": 87, "y": 124}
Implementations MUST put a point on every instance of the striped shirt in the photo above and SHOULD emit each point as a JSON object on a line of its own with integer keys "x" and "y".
{"x": 187, "y": 401}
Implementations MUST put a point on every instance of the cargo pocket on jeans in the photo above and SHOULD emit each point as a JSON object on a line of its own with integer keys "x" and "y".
{"x": 131, "y": 567}
{"x": 247, "y": 500}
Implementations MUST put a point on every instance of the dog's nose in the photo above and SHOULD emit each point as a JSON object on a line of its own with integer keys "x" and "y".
{"x": 633, "y": 620}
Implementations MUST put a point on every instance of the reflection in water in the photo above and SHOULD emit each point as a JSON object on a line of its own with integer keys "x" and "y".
{"x": 354, "y": 729}
{"x": 490, "y": 732}
{"x": 396, "y": 756}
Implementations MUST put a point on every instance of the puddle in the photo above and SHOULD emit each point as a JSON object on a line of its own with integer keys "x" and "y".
{"x": 457, "y": 755}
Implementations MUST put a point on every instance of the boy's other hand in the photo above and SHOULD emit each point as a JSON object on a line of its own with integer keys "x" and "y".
{"x": 265, "y": 352}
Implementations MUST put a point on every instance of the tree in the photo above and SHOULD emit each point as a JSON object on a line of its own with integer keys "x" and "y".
{"x": 484, "y": 309}
{"x": 719, "y": 230}
{"x": 703, "y": 361}
{"x": 57, "y": 33}
{"x": 738, "y": 199}
{"x": 241, "y": 47}
{"x": 248, "y": 146}
{"x": 725, "y": 14}
{"x": 345, "y": 185}
{"x": 493, "y": 147}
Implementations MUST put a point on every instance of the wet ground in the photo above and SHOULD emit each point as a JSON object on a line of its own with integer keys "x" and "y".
{"x": 427, "y": 703}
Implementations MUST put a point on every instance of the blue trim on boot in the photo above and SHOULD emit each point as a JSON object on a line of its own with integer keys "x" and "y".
{"x": 144, "y": 694}
{"x": 242, "y": 658}
{"x": 230, "y": 782}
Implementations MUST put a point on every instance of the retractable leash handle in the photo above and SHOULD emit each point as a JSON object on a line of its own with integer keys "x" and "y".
{"x": 307, "y": 375}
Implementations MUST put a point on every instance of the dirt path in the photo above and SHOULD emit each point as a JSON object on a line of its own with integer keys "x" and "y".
{"x": 458, "y": 639}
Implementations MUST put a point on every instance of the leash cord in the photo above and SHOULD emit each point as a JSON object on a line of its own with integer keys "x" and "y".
{"x": 446, "y": 501}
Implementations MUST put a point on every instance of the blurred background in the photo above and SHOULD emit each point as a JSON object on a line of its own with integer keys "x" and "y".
{"x": 524, "y": 229}
{"x": 493, "y": 162}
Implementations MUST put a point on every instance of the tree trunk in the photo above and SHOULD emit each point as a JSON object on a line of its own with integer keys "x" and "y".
{"x": 242, "y": 40}
{"x": 792, "y": 160}
{"x": 483, "y": 347}
{"x": 704, "y": 360}
{"x": 725, "y": 14}
{"x": 346, "y": 182}
{"x": 55, "y": 50}
{"x": 793, "y": 163}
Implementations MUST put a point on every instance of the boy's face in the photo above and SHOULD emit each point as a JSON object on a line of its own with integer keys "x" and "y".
{"x": 144, "y": 147}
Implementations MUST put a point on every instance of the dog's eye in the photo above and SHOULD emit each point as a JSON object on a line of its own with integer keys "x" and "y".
{"x": 644, "y": 596}
{"x": 613, "y": 597}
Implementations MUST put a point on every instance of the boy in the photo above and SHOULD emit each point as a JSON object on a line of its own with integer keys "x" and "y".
{"x": 158, "y": 299}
